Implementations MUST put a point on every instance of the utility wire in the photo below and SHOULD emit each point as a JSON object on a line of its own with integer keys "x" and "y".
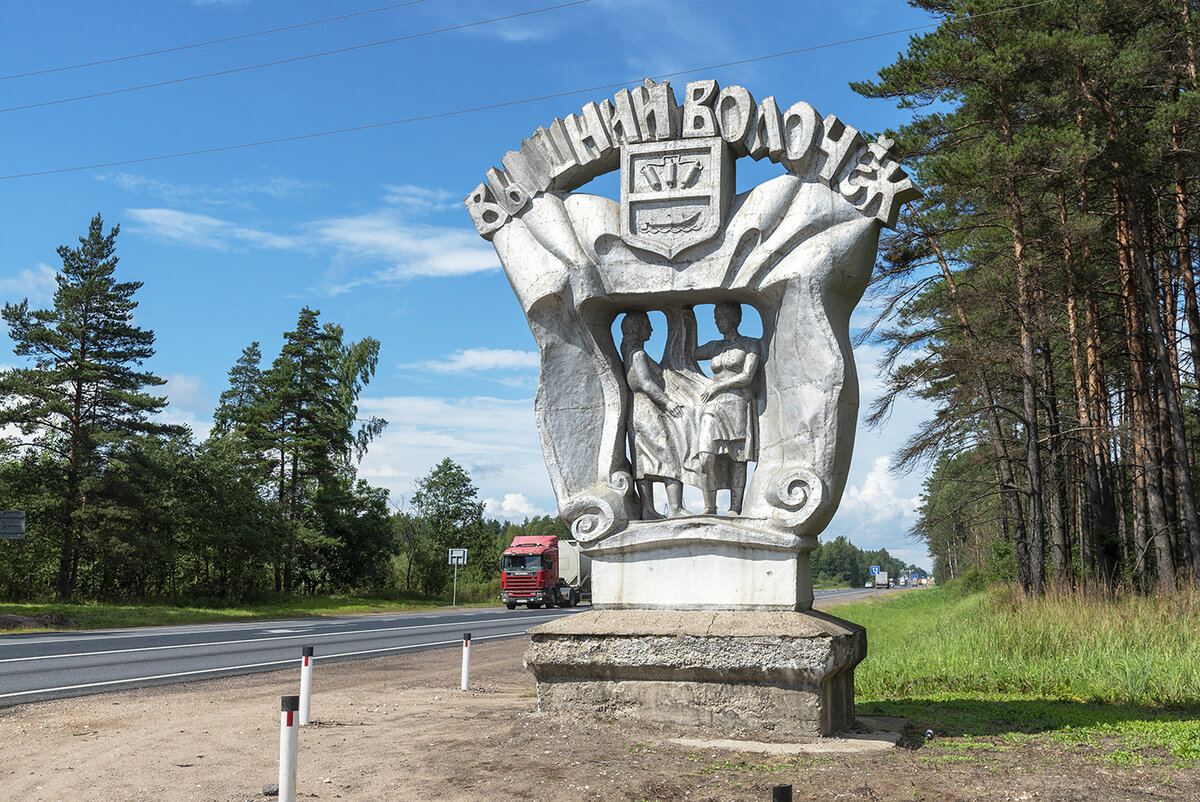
{"x": 235, "y": 38}
{"x": 295, "y": 58}
{"x": 508, "y": 103}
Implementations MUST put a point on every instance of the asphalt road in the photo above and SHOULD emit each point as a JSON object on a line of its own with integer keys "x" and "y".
{"x": 54, "y": 665}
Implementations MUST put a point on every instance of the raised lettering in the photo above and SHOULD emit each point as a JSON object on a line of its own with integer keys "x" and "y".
{"x": 487, "y": 215}
{"x": 566, "y": 172}
{"x": 698, "y": 117}
{"x": 509, "y": 195}
{"x": 735, "y": 115}
{"x": 587, "y": 134}
{"x": 622, "y": 120}
{"x": 840, "y": 145}
{"x": 657, "y": 112}
{"x": 768, "y": 132}
{"x": 801, "y": 131}
{"x": 557, "y": 163}
{"x": 527, "y": 169}
{"x": 877, "y": 186}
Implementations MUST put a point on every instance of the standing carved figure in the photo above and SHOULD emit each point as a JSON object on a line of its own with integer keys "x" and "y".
{"x": 654, "y": 438}
{"x": 727, "y": 439}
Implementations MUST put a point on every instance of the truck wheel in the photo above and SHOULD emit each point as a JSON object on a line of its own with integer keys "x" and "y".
{"x": 511, "y": 606}
{"x": 535, "y": 605}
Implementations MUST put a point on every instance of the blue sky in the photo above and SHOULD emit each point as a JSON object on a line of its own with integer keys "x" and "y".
{"x": 368, "y": 227}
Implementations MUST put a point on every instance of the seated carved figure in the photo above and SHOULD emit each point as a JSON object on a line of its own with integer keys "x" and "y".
{"x": 727, "y": 438}
{"x": 654, "y": 438}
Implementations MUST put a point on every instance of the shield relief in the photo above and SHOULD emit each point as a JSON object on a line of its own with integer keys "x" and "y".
{"x": 674, "y": 194}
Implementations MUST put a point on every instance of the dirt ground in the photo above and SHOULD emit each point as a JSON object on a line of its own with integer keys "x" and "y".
{"x": 398, "y": 728}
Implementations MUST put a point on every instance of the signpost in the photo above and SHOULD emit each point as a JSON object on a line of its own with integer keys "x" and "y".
{"x": 457, "y": 557}
{"x": 12, "y": 524}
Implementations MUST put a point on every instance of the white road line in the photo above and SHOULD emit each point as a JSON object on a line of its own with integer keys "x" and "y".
{"x": 307, "y": 635}
{"x": 179, "y": 629}
{"x": 222, "y": 669}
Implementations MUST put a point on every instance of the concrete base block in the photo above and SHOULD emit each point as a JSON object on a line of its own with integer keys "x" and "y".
{"x": 788, "y": 672}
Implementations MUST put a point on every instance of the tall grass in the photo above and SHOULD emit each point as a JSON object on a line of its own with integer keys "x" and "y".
{"x": 1067, "y": 645}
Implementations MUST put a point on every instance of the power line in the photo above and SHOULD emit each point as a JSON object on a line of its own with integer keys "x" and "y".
{"x": 293, "y": 59}
{"x": 222, "y": 40}
{"x": 508, "y": 103}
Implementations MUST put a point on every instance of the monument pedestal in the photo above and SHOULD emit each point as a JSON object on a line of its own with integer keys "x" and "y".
{"x": 788, "y": 672}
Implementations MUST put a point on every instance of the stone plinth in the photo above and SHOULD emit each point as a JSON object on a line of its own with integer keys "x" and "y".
{"x": 703, "y": 562}
{"x": 789, "y": 672}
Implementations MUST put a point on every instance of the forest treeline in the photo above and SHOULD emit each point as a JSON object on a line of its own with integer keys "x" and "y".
{"x": 1042, "y": 294}
{"x": 120, "y": 505}
{"x": 839, "y": 563}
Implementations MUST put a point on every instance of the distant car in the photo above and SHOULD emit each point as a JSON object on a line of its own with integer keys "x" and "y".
{"x": 869, "y": 584}
{"x": 891, "y": 583}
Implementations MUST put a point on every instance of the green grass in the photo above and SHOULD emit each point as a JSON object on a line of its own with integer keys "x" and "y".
{"x": 1131, "y": 650}
{"x": 1120, "y": 674}
{"x": 107, "y": 616}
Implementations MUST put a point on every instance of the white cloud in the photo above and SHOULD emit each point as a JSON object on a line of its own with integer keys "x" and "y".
{"x": 879, "y": 498}
{"x": 406, "y": 249}
{"x": 514, "y": 506}
{"x": 668, "y": 36}
{"x": 412, "y": 249}
{"x": 185, "y": 391}
{"x": 494, "y": 439}
{"x": 422, "y": 199}
{"x": 36, "y": 283}
{"x": 477, "y": 360}
{"x": 203, "y": 231}
{"x": 187, "y": 403}
{"x": 237, "y": 193}
{"x": 518, "y": 31}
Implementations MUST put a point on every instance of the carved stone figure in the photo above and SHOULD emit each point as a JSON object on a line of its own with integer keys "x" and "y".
{"x": 729, "y": 418}
{"x": 655, "y": 440}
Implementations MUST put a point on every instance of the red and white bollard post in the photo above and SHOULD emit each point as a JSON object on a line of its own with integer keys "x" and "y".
{"x": 306, "y": 657}
{"x": 289, "y": 729}
{"x": 466, "y": 668}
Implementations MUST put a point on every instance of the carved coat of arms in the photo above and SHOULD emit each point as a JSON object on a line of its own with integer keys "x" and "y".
{"x": 674, "y": 194}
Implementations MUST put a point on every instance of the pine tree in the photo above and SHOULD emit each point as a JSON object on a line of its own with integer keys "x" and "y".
{"x": 84, "y": 393}
{"x": 303, "y": 420}
{"x": 1038, "y": 289}
{"x": 239, "y": 403}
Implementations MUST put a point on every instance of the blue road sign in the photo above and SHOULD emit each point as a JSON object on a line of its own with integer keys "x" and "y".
{"x": 874, "y": 570}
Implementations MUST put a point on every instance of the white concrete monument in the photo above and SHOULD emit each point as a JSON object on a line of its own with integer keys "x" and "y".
{"x": 615, "y": 422}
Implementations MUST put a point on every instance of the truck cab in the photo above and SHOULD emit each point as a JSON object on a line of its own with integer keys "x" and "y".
{"x": 529, "y": 572}
{"x": 532, "y": 573}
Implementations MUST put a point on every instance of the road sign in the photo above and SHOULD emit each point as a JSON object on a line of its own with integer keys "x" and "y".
{"x": 457, "y": 557}
{"x": 12, "y": 524}
{"x": 874, "y": 570}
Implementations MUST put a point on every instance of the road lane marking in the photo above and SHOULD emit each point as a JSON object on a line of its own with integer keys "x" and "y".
{"x": 186, "y": 629}
{"x": 309, "y": 635}
{"x": 222, "y": 669}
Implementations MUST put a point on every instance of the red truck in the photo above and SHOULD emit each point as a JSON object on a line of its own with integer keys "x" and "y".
{"x": 544, "y": 570}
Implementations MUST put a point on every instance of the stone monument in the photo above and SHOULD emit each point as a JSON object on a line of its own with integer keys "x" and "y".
{"x": 699, "y": 616}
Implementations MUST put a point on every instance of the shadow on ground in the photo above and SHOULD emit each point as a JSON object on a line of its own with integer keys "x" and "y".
{"x": 955, "y": 717}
